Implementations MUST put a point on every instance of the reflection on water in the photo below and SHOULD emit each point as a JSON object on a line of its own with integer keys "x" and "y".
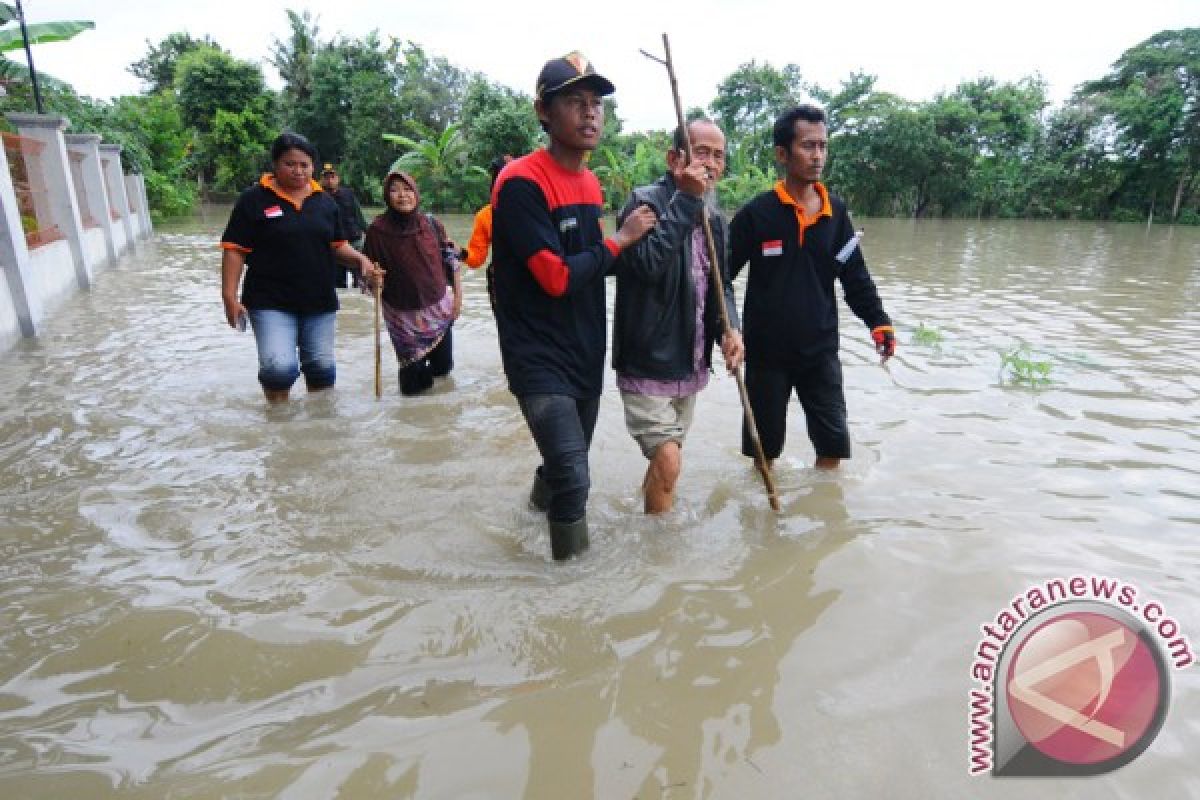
{"x": 204, "y": 597}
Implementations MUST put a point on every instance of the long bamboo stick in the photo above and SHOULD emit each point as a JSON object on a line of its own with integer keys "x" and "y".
{"x": 377, "y": 289}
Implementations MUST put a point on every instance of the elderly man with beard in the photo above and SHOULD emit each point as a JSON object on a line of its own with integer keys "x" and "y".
{"x": 667, "y": 314}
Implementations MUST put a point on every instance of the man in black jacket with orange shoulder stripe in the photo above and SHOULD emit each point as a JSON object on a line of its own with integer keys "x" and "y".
{"x": 549, "y": 260}
{"x": 799, "y": 240}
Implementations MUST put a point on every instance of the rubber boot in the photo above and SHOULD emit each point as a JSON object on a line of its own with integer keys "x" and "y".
{"x": 414, "y": 379}
{"x": 568, "y": 538}
{"x": 539, "y": 495}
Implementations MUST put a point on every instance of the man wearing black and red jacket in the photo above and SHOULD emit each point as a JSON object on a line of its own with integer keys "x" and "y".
{"x": 799, "y": 240}
{"x": 549, "y": 259}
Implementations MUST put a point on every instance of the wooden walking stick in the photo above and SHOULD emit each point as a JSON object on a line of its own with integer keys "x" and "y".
{"x": 377, "y": 290}
{"x": 760, "y": 460}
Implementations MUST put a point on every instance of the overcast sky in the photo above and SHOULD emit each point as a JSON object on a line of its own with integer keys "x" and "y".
{"x": 916, "y": 49}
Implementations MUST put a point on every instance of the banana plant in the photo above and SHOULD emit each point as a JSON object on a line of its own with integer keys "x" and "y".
{"x": 436, "y": 161}
{"x": 22, "y": 35}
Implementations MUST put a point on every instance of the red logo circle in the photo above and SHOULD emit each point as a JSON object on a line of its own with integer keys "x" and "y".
{"x": 1084, "y": 688}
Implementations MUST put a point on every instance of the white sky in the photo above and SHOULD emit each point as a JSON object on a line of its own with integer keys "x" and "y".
{"x": 916, "y": 49}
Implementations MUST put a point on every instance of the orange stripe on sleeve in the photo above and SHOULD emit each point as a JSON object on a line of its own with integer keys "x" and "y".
{"x": 550, "y": 271}
{"x": 236, "y": 247}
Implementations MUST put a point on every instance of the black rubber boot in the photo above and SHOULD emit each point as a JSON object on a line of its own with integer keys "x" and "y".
{"x": 415, "y": 379}
{"x": 539, "y": 495}
{"x": 568, "y": 538}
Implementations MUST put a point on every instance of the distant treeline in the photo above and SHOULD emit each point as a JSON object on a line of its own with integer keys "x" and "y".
{"x": 1125, "y": 146}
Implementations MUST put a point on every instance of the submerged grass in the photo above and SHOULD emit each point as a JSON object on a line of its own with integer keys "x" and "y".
{"x": 926, "y": 335}
{"x": 1021, "y": 366}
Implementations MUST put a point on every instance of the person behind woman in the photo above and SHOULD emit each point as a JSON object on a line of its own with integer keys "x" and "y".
{"x": 412, "y": 251}
{"x": 476, "y": 251}
{"x": 285, "y": 232}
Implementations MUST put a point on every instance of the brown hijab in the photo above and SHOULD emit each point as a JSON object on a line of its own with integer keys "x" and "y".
{"x": 408, "y": 247}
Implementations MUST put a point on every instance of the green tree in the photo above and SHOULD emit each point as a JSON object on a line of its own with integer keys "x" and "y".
{"x": 155, "y": 142}
{"x": 430, "y": 89}
{"x": 1071, "y": 174}
{"x": 436, "y": 162}
{"x": 209, "y": 80}
{"x": 238, "y": 144}
{"x": 748, "y": 102}
{"x": 629, "y": 161}
{"x": 1151, "y": 97}
{"x": 367, "y": 156}
{"x": 846, "y": 104}
{"x": 496, "y": 121}
{"x": 352, "y": 79}
{"x": 157, "y": 68}
{"x": 1005, "y": 127}
{"x": 293, "y": 59}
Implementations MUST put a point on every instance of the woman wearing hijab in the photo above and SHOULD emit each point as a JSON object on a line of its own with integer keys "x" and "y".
{"x": 417, "y": 261}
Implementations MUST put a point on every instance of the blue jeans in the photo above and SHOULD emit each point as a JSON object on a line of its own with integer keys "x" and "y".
{"x": 562, "y": 428}
{"x": 280, "y": 334}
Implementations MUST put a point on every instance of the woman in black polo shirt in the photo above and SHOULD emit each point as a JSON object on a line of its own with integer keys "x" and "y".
{"x": 286, "y": 232}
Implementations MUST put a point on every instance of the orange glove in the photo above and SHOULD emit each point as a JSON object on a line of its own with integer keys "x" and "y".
{"x": 884, "y": 337}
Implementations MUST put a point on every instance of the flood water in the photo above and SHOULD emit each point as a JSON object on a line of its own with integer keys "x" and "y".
{"x": 202, "y": 597}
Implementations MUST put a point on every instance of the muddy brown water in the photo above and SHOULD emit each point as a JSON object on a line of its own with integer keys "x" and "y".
{"x": 201, "y": 597}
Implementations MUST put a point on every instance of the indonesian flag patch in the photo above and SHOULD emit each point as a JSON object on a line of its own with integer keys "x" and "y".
{"x": 773, "y": 247}
{"x": 273, "y": 212}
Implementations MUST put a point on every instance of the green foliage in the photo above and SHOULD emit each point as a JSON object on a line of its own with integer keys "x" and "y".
{"x": 497, "y": 121}
{"x": 238, "y": 145}
{"x": 630, "y": 161}
{"x": 155, "y": 142}
{"x": 43, "y": 33}
{"x": 12, "y": 38}
{"x": 1020, "y": 365}
{"x": 436, "y": 163}
{"x": 366, "y": 155}
{"x": 225, "y": 103}
{"x": 743, "y": 180}
{"x": 1125, "y": 147}
{"x": 293, "y": 59}
{"x": 352, "y": 101}
{"x": 209, "y": 80}
{"x": 927, "y": 336}
{"x": 168, "y": 196}
{"x": 1151, "y": 101}
{"x": 429, "y": 89}
{"x": 747, "y": 103}
{"x": 157, "y": 68}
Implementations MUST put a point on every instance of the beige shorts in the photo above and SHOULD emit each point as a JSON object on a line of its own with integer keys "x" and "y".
{"x": 653, "y": 421}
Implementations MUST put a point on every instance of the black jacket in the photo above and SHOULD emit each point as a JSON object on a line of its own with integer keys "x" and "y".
{"x": 791, "y": 312}
{"x": 654, "y": 322}
{"x": 352, "y": 215}
{"x": 549, "y": 261}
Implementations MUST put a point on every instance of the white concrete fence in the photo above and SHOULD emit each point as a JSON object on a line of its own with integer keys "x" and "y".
{"x": 66, "y": 211}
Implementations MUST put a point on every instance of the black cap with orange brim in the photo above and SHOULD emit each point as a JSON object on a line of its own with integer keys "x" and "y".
{"x": 573, "y": 69}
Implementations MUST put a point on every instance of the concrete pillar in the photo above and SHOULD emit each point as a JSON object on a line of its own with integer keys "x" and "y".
{"x": 56, "y": 167}
{"x": 116, "y": 183}
{"x": 88, "y": 144}
{"x": 134, "y": 193}
{"x": 14, "y": 255}
{"x": 145, "y": 204}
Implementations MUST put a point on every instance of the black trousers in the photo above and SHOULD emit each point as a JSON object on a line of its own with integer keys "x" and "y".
{"x": 418, "y": 376}
{"x": 562, "y": 428}
{"x": 818, "y": 386}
